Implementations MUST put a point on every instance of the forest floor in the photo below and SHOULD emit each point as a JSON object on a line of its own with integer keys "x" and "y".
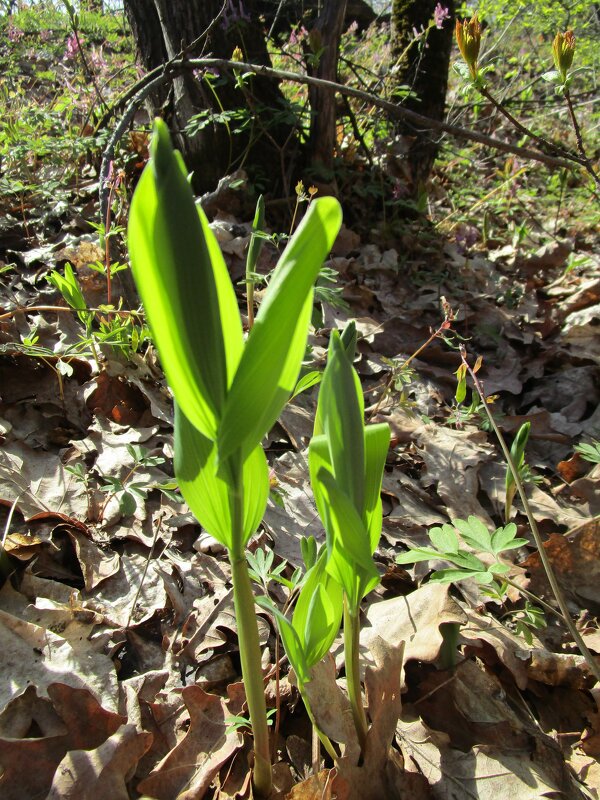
{"x": 120, "y": 665}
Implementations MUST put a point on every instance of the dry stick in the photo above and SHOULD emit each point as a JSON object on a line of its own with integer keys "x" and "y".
{"x": 579, "y": 138}
{"x": 445, "y": 326}
{"x": 548, "y": 569}
{"x": 547, "y": 145}
{"x": 583, "y": 160}
{"x": 174, "y": 67}
{"x": 115, "y": 312}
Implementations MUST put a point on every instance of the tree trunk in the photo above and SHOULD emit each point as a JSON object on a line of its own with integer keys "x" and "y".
{"x": 425, "y": 70}
{"x": 324, "y": 41}
{"x": 162, "y": 28}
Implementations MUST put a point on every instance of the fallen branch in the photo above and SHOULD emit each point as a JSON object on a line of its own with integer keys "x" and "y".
{"x": 177, "y": 66}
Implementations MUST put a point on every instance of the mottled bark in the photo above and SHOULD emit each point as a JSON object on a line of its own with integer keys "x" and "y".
{"x": 325, "y": 43}
{"x": 425, "y": 70}
{"x": 162, "y": 28}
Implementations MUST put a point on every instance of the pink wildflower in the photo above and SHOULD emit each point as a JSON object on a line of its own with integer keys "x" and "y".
{"x": 14, "y": 34}
{"x": 71, "y": 48}
{"x": 440, "y": 14}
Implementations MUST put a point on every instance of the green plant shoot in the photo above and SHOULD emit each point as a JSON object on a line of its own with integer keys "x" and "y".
{"x": 310, "y": 633}
{"x": 228, "y": 392}
{"x": 517, "y": 453}
{"x": 346, "y": 460}
{"x": 446, "y": 546}
{"x": 254, "y": 248}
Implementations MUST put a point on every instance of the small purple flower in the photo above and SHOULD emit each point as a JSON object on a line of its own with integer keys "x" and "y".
{"x": 465, "y": 236}
{"x": 353, "y": 27}
{"x": 439, "y": 15}
{"x": 45, "y": 35}
{"x": 233, "y": 13}
{"x": 14, "y": 34}
{"x": 71, "y": 48}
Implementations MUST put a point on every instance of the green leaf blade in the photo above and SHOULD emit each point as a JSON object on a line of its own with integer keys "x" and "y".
{"x": 183, "y": 282}
{"x": 271, "y": 361}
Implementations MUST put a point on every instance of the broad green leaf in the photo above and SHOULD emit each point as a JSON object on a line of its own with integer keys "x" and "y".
{"x": 307, "y": 382}
{"x": 349, "y": 338}
{"x": 256, "y": 242}
{"x": 461, "y": 390}
{"x": 444, "y": 538}
{"x": 418, "y": 554}
{"x": 502, "y": 537}
{"x": 271, "y": 360}
{"x": 498, "y": 568}
{"x": 289, "y": 637}
{"x": 342, "y": 417}
{"x": 465, "y": 560}
{"x": 318, "y": 458}
{"x": 308, "y": 546}
{"x": 185, "y": 288}
{"x": 474, "y": 532}
{"x": 207, "y": 494}
{"x": 455, "y": 575}
{"x": 323, "y": 620}
{"x": 377, "y": 443}
{"x": 351, "y": 553}
{"x": 517, "y": 453}
{"x": 317, "y": 621}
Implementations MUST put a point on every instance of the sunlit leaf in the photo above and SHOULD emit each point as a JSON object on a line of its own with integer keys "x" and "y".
{"x": 207, "y": 494}
{"x": 273, "y": 354}
{"x": 184, "y": 285}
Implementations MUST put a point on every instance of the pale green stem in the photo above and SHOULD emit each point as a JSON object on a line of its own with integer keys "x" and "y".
{"x": 544, "y": 558}
{"x": 250, "y": 655}
{"x": 325, "y": 740}
{"x": 351, "y": 645}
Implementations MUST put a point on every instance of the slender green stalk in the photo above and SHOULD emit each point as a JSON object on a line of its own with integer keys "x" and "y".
{"x": 546, "y": 563}
{"x": 351, "y": 645}
{"x": 250, "y": 655}
{"x": 325, "y": 740}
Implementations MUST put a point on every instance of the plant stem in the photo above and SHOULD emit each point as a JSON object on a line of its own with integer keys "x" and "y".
{"x": 325, "y": 740}
{"x": 579, "y": 138}
{"x": 548, "y": 569}
{"x": 544, "y": 143}
{"x": 351, "y": 643}
{"x": 250, "y": 657}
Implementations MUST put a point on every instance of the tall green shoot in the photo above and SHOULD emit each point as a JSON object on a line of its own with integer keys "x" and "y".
{"x": 228, "y": 392}
{"x": 346, "y": 461}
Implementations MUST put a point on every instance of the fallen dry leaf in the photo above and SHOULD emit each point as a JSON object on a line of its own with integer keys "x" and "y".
{"x": 28, "y": 760}
{"x": 414, "y": 620}
{"x": 102, "y": 772}
{"x": 188, "y": 770}
{"x": 35, "y": 656}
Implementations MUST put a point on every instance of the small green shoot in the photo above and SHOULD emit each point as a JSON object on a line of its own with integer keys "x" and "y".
{"x": 517, "y": 453}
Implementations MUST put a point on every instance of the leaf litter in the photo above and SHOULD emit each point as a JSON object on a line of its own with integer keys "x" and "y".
{"x": 120, "y": 661}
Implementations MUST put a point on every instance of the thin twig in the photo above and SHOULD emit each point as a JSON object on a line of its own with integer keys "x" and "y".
{"x": 546, "y": 563}
{"x": 580, "y": 146}
{"x": 173, "y": 69}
